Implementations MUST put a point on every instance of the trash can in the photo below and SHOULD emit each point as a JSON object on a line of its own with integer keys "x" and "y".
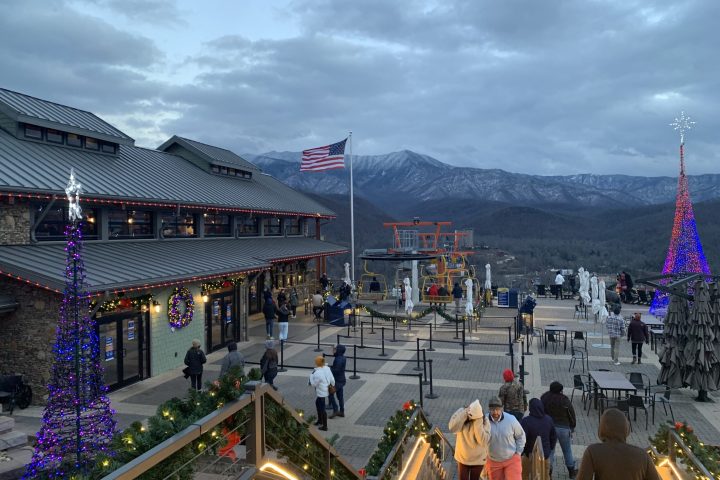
{"x": 503, "y": 298}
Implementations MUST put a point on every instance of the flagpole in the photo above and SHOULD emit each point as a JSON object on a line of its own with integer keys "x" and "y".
{"x": 352, "y": 217}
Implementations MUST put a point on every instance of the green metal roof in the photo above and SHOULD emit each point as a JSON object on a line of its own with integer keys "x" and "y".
{"x": 27, "y": 109}
{"x": 142, "y": 175}
{"x": 213, "y": 155}
{"x": 123, "y": 265}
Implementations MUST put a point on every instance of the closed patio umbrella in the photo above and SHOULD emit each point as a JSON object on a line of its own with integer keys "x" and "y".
{"x": 469, "y": 295}
{"x": 595, "y": 295}
{"x": 584, "y": 285}
{"x": 715, "y": 316}
{"x": 699, "y": 351}
{"x": 488, "y": 277}
{"x": 671, "y": 357}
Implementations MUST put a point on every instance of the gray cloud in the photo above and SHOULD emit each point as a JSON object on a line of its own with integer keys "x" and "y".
{"x": 548, "y": 87}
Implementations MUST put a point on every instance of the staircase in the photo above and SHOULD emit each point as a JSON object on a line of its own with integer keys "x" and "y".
{"x": 14, "y": 450}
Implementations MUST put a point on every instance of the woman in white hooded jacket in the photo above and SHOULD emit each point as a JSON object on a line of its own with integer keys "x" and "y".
{"x": 472, "y": 434}
{"x": 321, "y": 378}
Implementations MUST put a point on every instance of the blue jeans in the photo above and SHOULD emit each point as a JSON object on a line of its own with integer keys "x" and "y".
{"x": 269, "y": 327}
{"x": 563, "y": 434}
{"x": 340, "y": 398}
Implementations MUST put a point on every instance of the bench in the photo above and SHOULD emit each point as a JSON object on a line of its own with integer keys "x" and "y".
{"x": 438, "y": 299}
{"x": 373, "y": 296}
{"x": 14, "y": 391}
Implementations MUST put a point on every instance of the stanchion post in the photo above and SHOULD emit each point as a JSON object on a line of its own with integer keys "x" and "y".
{"x": 354, "y": 320}
{"x": 421, "y": 390}
{"x": 394, "y": 328}
{"x": 426, "y": 382}
{"x": 318, "y": 349}
{"x": 527, "y": 341}
{"x": 512, "y": 357}
{"x": 463, "y": 347}
{"x": 431, "y": 349}
{"x": 382, "y": 344}
{"x": 354, "y": 376}
{"x": 417, "y": 351}
{"x": 348, "y": 325}
{"x": 362, "y": 334}
{"x": 338, "y": 339}
{"x": 282, "y": 357}
{"x": 372, "y": 324}
{"x": 510, "y": 341}
{"x": 432, "y": 394}
{"x": 457, "y": 323}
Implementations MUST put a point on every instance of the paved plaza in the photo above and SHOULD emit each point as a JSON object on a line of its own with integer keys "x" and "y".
{"x": 385, "y": 383}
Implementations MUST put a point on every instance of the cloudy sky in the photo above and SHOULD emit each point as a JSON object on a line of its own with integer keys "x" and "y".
{"x": 547, "y": 87}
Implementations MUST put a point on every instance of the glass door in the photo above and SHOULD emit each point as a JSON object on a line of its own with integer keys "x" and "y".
{"x": 220, "y": 325}
{"x": 108, "y": 352}
{"x": 131, "y": 365}
{"x": 121, "y": 339}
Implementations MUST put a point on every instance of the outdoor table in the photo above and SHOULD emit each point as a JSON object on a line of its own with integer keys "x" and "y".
{"x": 558, "y": 331}
{"x": 615, "y": 381}
{"x": 656, "y": 327}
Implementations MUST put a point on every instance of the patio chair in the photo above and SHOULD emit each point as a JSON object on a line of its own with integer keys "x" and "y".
{"x": 661, "y": 394}
{"x": 582, "y": 383}
{"x": 578, "y": 336}
{"x": 578, "y": 353}
{"x": 640, "y": 380}
{"x": 640, "y": 402}
{"x": 578, "y": 315}
{"x": 621, "y": 405}
{"x": 552, "y": 338}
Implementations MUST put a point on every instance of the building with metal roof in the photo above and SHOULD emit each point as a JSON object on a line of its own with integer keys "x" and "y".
{"x": 185, "y": 215}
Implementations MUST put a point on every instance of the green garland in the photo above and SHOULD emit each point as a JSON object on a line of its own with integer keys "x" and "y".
{"x": 396, "y": 426}
{"x": 122, "y": 302}
{"x": 709, "y": 456}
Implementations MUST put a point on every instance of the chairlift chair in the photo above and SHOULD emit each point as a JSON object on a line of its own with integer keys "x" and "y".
{"x": 366, "y": 279}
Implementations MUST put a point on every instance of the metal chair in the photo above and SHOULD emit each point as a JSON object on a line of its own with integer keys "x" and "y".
{"x": 641, "y": 381}
{"x": 580, "y": 337}
{"x": 582, "y": 383}
{"x": 578, "y": 353}
{"x": 639, "y": 402}
{"x": 578, "y": 313}
{"x": 621, "y": 405}
{"x": 661, "y": 394}
{"x": 551, "y": 337}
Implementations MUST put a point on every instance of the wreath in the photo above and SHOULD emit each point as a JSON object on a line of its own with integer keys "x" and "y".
{"x": 176, "y": 318}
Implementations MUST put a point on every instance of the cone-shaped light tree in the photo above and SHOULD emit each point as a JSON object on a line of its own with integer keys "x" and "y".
{"x": 78, "y": 422}
{"x": 685, "y": 254}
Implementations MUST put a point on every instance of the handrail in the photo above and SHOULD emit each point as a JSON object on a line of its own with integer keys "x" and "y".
{"x": 674, "y": 439}
{"x": 401, "y": 442}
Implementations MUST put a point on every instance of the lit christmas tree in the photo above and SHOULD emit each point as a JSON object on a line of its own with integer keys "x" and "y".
{"x": 685, "y": 254}
{"x": 78, "y": 421}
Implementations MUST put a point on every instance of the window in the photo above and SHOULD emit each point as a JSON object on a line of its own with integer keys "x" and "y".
{"x": 53, "y": 224}
{"x": 215, "y": 168}
{"x": 292, "y": 226}
{"x": 130, "y": 224}
{"x": 31, "y": 131}
{"x": 74, "y": 140}
{"x": 272, "y": 226}
{"x": 108, "y": 147}
{"x": 178, "y": 226}
{"x": 248, "y": 226}
{"x": 54, "y": 136}
{"x": 92, "y": 143}
{"x": 217, "y": 225}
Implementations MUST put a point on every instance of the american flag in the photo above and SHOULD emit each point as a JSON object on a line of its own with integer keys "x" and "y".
{"x": 324, "y": 158}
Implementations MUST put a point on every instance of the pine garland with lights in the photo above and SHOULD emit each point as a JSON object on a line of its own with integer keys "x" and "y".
{"x": 78, "y": 422}
{"x": 709, "y": 456}
{"x": 220, "y": 284}
{"x": 398, "y": 423}
{"x": 122, "y": 302}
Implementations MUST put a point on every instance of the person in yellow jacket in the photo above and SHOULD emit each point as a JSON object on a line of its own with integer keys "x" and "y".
{"x": 472, "y": 434}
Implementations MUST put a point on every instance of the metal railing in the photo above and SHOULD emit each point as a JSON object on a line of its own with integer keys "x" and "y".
{"x": 676, "y": 443}
{"x": 250, "y": 439}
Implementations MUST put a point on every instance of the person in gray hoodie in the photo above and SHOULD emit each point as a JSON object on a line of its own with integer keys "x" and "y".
{"x": 507, "y": 441}
{"x": 232, "y": 359}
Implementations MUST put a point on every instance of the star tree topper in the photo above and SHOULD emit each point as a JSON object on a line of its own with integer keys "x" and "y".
{"x": 682, "y": 124}
{"x": 73, "y": 191}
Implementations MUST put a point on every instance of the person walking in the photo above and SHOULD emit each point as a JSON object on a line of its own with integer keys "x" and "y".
{"x": 294, "y": 302}
{"x": 231, "y": 359}
{"x": 559, "y": 280}
{"x": 269, "y": 311}
{"x": 457, "y": 294}
{"x": 561, "y": 410}
{"x": 507, "y": 442}
{"x": 269, "y": 363}
{"x": 324, "y": 282}
{"x": 338, "y": 371}
{"x": 283, "y": 314}
{"x": 537, "y": 424}
{"x": 321, "y": 378}
{"x": 615, "y": 325}
{"x": 512, "y": 395}
{"x": 281, "y": 297}
{"x": 637, "y": 335}
{"x": 472, "y": 435}
{"x": 195, "y": 359}
{"x": 614, "y": 458}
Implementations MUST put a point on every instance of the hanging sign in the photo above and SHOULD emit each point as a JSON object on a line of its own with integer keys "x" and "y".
{"x": 216, "y": 308}
{"x": 228, "y": 313}
{"x": 131, "y": 330}
{"x": 109, "y": 349}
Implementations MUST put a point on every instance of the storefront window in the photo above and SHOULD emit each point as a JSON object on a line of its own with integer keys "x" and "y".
{"x": 248, "y": 227}
{"x": 130, "y": 224}
{"x": 217, "y": 225}
{"x": 272, "y": 226}
{"x": 178, "y": 226}
{"x": 53, "y": 224}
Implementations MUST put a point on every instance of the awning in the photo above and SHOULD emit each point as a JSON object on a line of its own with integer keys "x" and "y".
{"x": 133, "y": 265}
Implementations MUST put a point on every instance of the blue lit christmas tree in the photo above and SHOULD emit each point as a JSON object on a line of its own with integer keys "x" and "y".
{"x": 78, "y": 422}
{"x": 685, "y": 254}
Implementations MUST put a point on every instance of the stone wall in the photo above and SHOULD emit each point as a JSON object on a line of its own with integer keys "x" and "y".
{"x": 28, "y": 334}
{"x": 14, "y": 223}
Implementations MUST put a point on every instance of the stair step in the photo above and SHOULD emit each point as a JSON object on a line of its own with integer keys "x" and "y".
{"x": 12, "y": 439}
{"x": 6, "y": 423}
{"x": 14, "y": 469}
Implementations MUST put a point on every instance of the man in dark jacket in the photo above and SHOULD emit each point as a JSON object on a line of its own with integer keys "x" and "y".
{"x": 561, "y": 410}
{"x": 338, "y": 370}
{"x": 537, "y": 424}
{"x": 613, "y": 458}
{"x": 269, "y": 312}
{"x": 457, "y": 294}
{"x": 637, "y": 333}
{"x": 194, "y": 359}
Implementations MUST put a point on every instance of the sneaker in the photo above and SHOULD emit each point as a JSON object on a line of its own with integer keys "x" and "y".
{"x": 324, "y": 429}
{"x": 341, "y": 414}
{"x": 616, "y": 363}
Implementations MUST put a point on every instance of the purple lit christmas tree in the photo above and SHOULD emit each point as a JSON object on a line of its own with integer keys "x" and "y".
{"x": 78, "y": 421}
{"x": 685, "y": 254}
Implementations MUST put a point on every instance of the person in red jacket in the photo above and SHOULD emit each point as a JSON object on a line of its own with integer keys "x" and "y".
{"x": 432, "y": 292}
